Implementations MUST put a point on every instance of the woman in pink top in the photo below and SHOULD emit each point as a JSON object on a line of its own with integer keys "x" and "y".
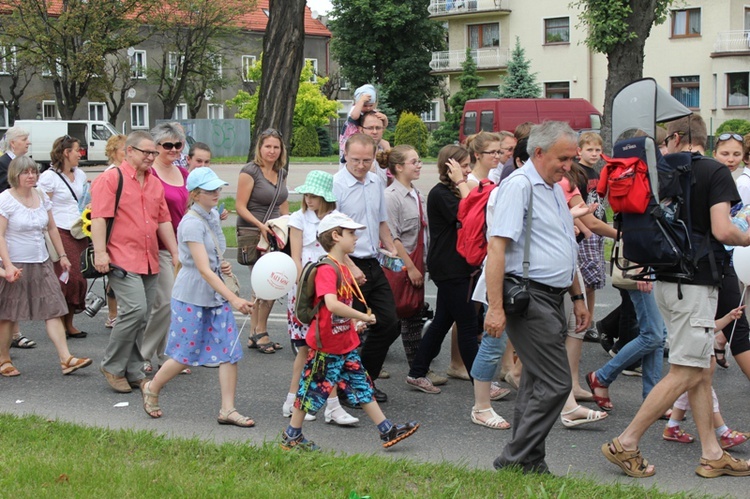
{"x": 169, "y": 141}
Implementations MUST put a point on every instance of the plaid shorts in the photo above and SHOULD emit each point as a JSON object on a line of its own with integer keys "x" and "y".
{"x": 591, "y": 262}
{"x": 323, "y": 371}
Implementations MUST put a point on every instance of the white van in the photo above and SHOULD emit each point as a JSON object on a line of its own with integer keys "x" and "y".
{"x": 93, "y": 136}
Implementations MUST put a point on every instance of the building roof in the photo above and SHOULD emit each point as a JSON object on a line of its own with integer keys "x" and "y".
{"x": 255, "y": 20}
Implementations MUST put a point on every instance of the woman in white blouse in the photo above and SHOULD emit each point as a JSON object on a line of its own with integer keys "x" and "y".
{"x": 66, "y": 184}
{"x": 30, "y": 290}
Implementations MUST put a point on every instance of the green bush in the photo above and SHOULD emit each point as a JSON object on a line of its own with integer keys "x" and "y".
{"x": 739, "y": 126}
{"x": 442, "y": 136}
{"x": 305, "y": 142}
{"x": 324, "y": 139}
{"x": 411, "y": 130}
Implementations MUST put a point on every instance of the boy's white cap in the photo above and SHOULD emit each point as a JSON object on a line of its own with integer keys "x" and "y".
{"x": 333, "y": 220}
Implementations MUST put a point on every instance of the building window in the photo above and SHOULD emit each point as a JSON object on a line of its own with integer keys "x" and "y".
{"x": 738, "y": 89}
{"x": 557, "y": 30}
{"x": 175, "y": 61}
{"x": 314, "y": 63}
{"x": 7, "y": 59}
{"x": 180, "y": 112}
{"x": 248, "y": 61}
{"x": 216, "y": 62}
{"x": 47, "y": 71}
{"x": 484, "y": 35}
{"x": 433, "y": 114}
{"x": 343, "y": 84}
{"x": 138, "y": 64}
{"x": 346, "y": 106}
{"x": 686, "y": 22}
{"x": 215, "y": 112}
{"x": 557, "y": 90}
{"x": 3, "y": 116}
{"x": 687, "y": 90}
{"x": 138, "y": 116}
{"x": 97, "y": 111}
{"x": 49, "y": 110}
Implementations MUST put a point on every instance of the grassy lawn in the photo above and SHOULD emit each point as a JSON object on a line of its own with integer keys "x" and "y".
{"x": 43, "y": 458}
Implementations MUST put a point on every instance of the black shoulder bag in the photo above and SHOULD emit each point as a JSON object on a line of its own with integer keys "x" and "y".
{"x": 87, "y": 256}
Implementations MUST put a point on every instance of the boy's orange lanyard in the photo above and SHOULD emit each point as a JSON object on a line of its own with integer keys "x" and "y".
{"x": 355, "y": 291}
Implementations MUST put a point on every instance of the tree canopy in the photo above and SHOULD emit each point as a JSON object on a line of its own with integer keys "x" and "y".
{"x": 72, "y": 41}
{"x": 391, "y": 43}
{"x": 619, "y": 29}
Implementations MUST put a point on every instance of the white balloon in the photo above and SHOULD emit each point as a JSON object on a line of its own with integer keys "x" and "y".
{"x": 742, "y": 263}
{"x": 274, "y": 275}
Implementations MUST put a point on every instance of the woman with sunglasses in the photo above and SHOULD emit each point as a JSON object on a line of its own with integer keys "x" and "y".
{"x": 169, "y": 141}
{"x": 66, "y": 185}
{"x": 729, "y": 150}
{"x": 256, "y": 191}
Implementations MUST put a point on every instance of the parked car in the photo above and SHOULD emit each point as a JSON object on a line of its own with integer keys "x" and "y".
{"x": 93, "y": 136}
{"x": 493, "y": 115}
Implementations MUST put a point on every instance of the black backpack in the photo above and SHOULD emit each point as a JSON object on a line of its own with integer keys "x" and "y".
{"x": 661, "y": 242}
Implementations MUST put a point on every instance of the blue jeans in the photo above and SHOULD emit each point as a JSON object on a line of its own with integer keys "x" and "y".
{"x": 490, "y": 352}
{"x": 648, "y": 345}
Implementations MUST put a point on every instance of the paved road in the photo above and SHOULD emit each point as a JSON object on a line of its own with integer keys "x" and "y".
{"x": 191, "y": 404}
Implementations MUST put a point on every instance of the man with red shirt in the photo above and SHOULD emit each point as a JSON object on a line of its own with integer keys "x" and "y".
{"x": 131, "y": 251}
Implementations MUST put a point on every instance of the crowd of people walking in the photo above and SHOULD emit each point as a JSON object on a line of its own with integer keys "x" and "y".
{"x": 156, "y": 234}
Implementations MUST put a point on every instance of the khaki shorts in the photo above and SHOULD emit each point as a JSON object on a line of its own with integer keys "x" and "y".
{"x": 690, "y": 322}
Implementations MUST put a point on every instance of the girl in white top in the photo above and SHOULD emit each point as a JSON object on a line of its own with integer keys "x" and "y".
{"x": 318, "y": 202}
{"x": 31, "y": 290}
{"x": 66, "y": 185}
{"x": 729, "y": 150}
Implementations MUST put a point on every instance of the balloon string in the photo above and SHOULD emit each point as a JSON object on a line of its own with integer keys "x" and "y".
{"x": 239, "y": 335}
{"x": 742, "y": 299}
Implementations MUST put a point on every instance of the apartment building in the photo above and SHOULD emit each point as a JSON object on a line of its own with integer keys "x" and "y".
{"x": 143, "y": 108}
{"x": 701, "y": 54}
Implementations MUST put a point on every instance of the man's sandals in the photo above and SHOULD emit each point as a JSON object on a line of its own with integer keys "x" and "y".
{"x": 725, "y": 465}
{"x": 631, "y": 461}
{"x": 269, "y": 347}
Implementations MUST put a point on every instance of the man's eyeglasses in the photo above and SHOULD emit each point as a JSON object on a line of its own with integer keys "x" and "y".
{"x": 730, "y": 135}
{"x": 493, "y": 153}
{"x": 146, "y": 153}
{"x": 168, "y": 146}
{"x": 666, "y": 141}
{"x": 357, "y": 162}
{"x": 373, "y": 128}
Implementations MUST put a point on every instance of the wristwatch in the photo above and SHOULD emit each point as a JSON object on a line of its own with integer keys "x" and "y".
{"x": 577, "y": 297}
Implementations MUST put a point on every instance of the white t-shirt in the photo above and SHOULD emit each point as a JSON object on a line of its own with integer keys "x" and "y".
{"x": 743, "y": 185}
{"x": 64, "y": 205}
{"x": 307, "y": 221}
{"x": 25, "y": 233}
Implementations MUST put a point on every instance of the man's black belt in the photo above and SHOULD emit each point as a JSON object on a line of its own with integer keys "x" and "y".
{"x": 543, "y": 287}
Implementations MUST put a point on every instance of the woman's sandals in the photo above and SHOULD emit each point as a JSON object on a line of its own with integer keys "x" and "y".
{"x": 592, "y": 416}
{"x": 150, "y": 401}
{"x": 269, "y": 347}
{"x": 495, "y": 421}
{"x": 232, "y": 417}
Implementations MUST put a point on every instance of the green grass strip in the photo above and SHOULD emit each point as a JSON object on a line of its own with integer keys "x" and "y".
{"x": 43, "y": 458}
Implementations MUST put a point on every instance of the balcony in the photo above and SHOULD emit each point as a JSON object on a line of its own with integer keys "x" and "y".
{"x": 442, "y": 8}
{"x": 488, "y": 58}
{"x": 731, "y": 43}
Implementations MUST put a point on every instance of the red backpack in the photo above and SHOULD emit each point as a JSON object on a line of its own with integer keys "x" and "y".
{"x": 626, "y": 179}
{"x": 471, "y": 242}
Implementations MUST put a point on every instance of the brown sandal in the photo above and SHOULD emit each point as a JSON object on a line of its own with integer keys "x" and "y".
{"x": 8, "y": 370}
{"x": 74, "y": 364}
{"x": 235, "y": 418}
{"x": 726, "y": 465}
{"x": 630, "y": 461}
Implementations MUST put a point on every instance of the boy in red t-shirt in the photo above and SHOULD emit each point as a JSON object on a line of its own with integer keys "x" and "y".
{"x": 333, "y": 339}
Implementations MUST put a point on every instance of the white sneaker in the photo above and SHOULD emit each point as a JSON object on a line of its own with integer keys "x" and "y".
{"x": 286, "y": 411}
{"x": 340, "y": 417}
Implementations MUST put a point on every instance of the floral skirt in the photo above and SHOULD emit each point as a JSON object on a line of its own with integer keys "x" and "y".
{"x": 203, "y": 335}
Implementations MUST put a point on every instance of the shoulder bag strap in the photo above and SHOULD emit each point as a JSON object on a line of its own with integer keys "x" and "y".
{"x": 527, "y": 239}
{"x": 111, "y": 221}
{"x": 66, "y": 183}
{"x": 279, "y": 180}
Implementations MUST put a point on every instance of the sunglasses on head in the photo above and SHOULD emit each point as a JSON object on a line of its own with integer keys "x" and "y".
{"x": 730, "y": 135}
{"x": 270, "y": 132}
{"x": 168, "y": 146}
